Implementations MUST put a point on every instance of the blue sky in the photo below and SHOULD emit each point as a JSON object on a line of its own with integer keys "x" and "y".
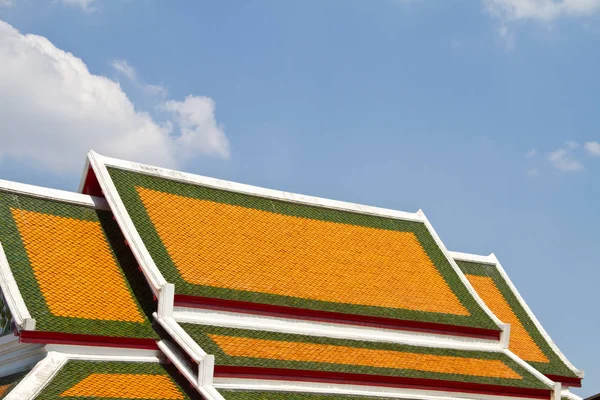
{"x": 482, "y": 113}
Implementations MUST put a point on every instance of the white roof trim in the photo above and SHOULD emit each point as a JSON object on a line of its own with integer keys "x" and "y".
{"x": 204, "y": 381}
{"x": 253, "y": 190}
{"x": 181, "y": 337}
{"x": 462, "y": 276}
{"x": 149, "y": 268}
{"x": 571, "y": 396}
{"x": 492, "y": 259}
{"x": 472, "y": 257}
{"x": 54, "y": 194}
{"x": 332, "y": 330}
{"x": 529, "y": 368}
{"x": 92, "y": 352}
{"x": 13, "y": 296}
{"x": 349, "y": 390}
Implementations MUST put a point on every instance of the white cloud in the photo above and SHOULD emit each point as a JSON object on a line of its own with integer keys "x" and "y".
{"x": 199, "y": 129}
{"x": 531, "y": 153}
{"x": 6, "y": 3}
{"x": 563, "y": 160}
{"x": 593, "y": 149}
{"x": 53, "y": 110}
{"x": 541, "y": 10}
{"x": 85, "y": 5}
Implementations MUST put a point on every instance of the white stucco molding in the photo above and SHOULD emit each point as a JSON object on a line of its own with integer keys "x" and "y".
{"x": 203, "y": 381}
{"x": 350, "y": 390}
{"x": 12, "y": 296}
{"x": 571, "y": 396}
{"x": 493, "y": 260}
{"x": 253, "y": 190}
{"x": 139, "y": 250}
{"x": 333, "y": 330}
{"x": 77, "y": 199}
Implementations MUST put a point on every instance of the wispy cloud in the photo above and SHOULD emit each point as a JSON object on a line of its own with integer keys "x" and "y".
{"x": 531, "y": 153}
{"x": 85, "y": 5}
{"x": 592, "y": 148}
{"x": 507, "y": 12}
{"x": 124, "y": 68}
{"x": 563, "y": 159}
{"x": 541, "y": 10}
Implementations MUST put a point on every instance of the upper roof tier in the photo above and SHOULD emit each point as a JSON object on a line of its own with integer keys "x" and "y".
{"x": 234, "y": 245}
{"x": 528, "y": 339}
{"x": 65, "y": 265}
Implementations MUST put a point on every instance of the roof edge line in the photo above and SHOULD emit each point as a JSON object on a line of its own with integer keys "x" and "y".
{"x": 376, "y": 382}
{"x": 12, "y": 295}
{"x": 301, "y": 314}
{"x": 473, "y": 257}
{"x": 203, "y": 383}
{"x": 529, "y": 368}
{"x": 462, "y": 276}
{"x": 181, "y": 337}
{"x": 153, "y": 275}
{"x": 242, "y": 188}
{"x": 536, "y": 322}
{"x": 343, "y": 389}
{"x": 54, "y": 194}
{"x": 330, "y": 329}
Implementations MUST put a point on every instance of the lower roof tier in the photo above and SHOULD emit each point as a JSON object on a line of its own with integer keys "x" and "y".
{"x": 116, "y": 380}
{"x": 271, "y": 355}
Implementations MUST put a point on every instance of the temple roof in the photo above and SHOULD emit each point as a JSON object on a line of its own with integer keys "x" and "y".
{"x": 252, "y": 294}
{"x": 70, "y": 264}
{"x": 223, "y": 244}
{"x": 528, "y": 339}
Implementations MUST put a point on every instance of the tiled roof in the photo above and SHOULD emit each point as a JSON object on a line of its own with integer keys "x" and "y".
{"x": 227, "y": 245}
{"x": 263, "y": 349}
{"x": 79, "y": 380}
{"x": 526, "y": 340}
{"x": 72, "y": 267}
{"x": 251, "y": 395}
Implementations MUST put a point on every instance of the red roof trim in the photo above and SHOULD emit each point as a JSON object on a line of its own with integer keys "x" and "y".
{"x": 377, "y": 380}
{"x": 335, "y": 317}
{"x": 91, "y": 186}
{"x": 86, "y": 340}
{"x": 566, "y": 380}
